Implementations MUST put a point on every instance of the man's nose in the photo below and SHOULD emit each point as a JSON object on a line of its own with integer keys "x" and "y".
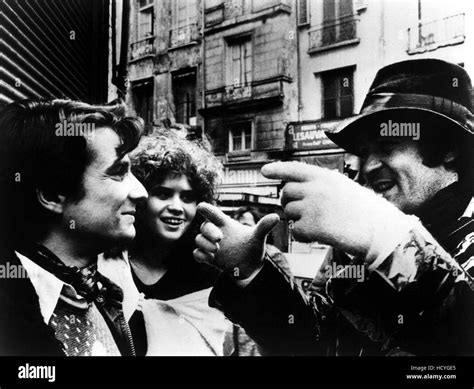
{"x": 138, "y": 191}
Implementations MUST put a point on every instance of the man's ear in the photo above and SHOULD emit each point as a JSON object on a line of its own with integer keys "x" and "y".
{"x": 51, "y": 201}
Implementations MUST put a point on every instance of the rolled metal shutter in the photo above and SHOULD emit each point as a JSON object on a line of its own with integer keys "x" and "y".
{"x": 53, "y": 48}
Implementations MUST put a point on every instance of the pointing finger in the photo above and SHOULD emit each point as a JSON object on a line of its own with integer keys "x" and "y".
{"x": 213, "y": 214}
{"x": 290, "y": 171}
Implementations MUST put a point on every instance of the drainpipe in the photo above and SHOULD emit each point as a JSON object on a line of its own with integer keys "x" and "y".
{"x": 203, "y": 65}
{"x": 114, "y": 41}
{"x": 119, "y": 78}
{"x": 419, "y": 24}
{"x": 298, "y": 64}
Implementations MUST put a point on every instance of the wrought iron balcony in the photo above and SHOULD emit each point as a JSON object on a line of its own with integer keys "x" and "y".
{"x": 438, "y": 33}
{"x": 184, "y": 35}
{"x": 333, "y": 32}
{"x": 142, "y": 48}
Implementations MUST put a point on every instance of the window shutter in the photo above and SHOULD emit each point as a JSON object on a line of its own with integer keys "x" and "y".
{"x": 53, "y": 49}
{"x": 303, "y": 17}
{"x": 345, "y": 8}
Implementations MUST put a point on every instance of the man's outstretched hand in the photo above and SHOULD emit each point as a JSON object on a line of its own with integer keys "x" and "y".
{"x": 327, "y": 206}
{"x": 231, "y": 246}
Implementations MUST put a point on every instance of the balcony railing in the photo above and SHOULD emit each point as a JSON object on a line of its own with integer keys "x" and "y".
{"x": 333, "y": 32}
{"x": 435, "y": 34}
{"x": 184, "y": 35}
{"x": 142, "y": 48}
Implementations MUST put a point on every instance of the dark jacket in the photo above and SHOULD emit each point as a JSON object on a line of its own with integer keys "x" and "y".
{"x": 22, "y": 329}
{"x": 433, "y": 315}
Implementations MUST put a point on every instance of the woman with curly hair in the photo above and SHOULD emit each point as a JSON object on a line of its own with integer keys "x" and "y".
{"x": 169, "y": 287}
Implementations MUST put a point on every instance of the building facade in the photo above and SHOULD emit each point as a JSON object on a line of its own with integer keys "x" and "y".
{"x": 342, "y": 44}
{"x": 250, "y": 89}
{"x": 165, "y": 66}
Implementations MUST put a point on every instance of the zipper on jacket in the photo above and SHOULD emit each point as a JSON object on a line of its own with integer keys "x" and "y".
{"x": 128, "y": 334}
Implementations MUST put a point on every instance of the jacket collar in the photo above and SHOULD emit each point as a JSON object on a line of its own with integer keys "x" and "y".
{"x": 445, "y": 208}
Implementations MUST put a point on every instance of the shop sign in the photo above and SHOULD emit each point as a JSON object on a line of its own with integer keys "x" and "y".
{"x": 308, "y": 136}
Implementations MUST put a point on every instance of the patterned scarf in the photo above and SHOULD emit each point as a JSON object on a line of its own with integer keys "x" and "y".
{"x": 85, "y": 281}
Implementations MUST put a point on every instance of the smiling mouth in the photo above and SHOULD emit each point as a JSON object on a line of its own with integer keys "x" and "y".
{"x": 382, "y": 186}
{"x": 172, "y": 221}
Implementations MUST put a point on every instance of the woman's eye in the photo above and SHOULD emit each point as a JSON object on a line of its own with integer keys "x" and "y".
{"x": 188, "y": 197}
{"x": 161, "y": 193}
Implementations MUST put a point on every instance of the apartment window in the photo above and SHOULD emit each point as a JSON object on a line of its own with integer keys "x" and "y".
{"x": 145, "y": 18}
{"x": 335, "y": 9}
{"x": 184, "y": 13}
{"x": 143, "y": 99}
{"x": 338, "y": 93}
{"x": 303, "y": 12}
{"x": 239, "y": 62}
{"x": 184, "y": 92}
{"x": 338, "y": 20}
{"x": 240, "y": 136}
{"x": 183, "y": 22}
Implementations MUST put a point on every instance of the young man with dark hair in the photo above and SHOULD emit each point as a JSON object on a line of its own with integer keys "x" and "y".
{"x": 409, "y": 231}
{"x": 67, "y": 195}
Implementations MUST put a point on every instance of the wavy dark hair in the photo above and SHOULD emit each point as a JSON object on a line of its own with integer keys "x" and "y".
{"x": 33, "y": 156}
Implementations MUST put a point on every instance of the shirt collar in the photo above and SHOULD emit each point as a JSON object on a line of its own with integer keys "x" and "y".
{"x": 470, "y": 209}
{"x": 117, "y": 269}
{"x": 47, "y": 286}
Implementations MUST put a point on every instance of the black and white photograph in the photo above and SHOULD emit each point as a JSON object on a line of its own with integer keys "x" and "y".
{"x": 285, "y": 184}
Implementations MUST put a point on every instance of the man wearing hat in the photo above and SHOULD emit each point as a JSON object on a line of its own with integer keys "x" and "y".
{"x": 400, "y": 280}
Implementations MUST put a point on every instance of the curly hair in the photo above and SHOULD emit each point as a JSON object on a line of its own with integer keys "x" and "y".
{"x": 166, "y": 151}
